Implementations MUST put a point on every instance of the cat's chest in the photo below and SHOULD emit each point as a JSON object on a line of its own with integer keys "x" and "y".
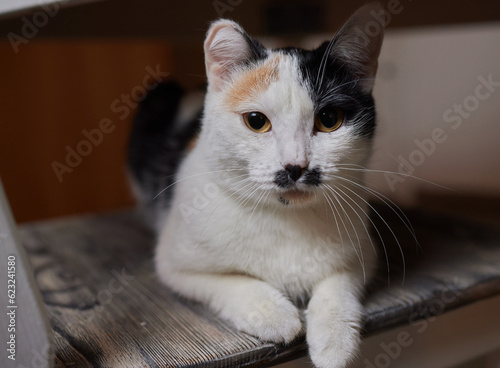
{"x": 291, "y": 252}
{"x": 292, "y": 249}
{"x": 296, "y": 264}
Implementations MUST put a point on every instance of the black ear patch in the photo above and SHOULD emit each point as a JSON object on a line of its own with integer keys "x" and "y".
{"x": 332, "y": 83}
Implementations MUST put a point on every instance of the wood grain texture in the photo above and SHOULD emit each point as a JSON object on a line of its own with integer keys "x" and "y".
{"x": 108, "y": 309}
{"x": 51, "y": 92}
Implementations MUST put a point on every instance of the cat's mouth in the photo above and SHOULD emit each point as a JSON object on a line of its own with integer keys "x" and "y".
{"x": 295, "y": 197}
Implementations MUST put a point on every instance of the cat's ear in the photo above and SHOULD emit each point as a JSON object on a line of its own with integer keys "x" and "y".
{"x": 227, "y": 46}
{"x": 358, "y": 43}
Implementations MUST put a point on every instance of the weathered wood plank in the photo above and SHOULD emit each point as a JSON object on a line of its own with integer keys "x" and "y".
{"x": 455, "y": 263}
{"x": 108, "y": 309}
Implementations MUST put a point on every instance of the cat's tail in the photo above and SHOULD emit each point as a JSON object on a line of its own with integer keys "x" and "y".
{"x": 165, "y": 123}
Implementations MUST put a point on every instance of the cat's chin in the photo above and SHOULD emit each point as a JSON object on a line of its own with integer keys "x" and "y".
{"x": 296, "y": 197}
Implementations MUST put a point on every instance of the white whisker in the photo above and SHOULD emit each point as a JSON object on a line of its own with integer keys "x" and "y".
{"x": 395, "y": 173}
{"x": 346, "y": 230}
{"x": 360, "y": 255}
{"x": 217, "y": 206}
{"x": 193, "y": 176}
{"x": 389, "y": 228}
{"x": 375, "y": 228}
{"x": 329, "y": 201}
{"x": 389, "y": 203}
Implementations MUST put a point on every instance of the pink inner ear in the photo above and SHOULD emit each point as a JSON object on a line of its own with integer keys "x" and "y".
{"x": 218, "y": 73}
{"x": 225, "y": 47}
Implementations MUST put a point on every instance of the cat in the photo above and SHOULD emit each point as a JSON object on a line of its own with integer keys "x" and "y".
{"x": 263, "y": 214}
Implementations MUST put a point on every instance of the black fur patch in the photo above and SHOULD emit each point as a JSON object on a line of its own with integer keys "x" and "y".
{"x": 313, "y": 177}
{"x": 282, "y": 179}
{"x": 157, "y": 145}
{"x": 284, "y": 202}
{"x": 257, "y": 51}
{"x": 337, "y": 86}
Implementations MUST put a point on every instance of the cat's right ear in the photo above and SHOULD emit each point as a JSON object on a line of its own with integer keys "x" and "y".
{"x": 358, "y": 43}
{"x": 227, "y": 46}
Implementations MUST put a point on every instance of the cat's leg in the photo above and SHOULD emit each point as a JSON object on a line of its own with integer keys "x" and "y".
{"x": 253, "y": 306}
{"x": 334, "y": 316}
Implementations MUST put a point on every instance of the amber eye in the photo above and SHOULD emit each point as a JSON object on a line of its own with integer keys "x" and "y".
{"x": 329, "y": 119}
{"x": 257, "y": 121}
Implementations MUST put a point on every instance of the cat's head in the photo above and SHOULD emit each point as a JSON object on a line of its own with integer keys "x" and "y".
{"x": 287, "y": 123}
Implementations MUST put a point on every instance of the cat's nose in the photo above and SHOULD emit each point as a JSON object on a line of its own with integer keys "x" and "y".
{"x": 295, "y": 171}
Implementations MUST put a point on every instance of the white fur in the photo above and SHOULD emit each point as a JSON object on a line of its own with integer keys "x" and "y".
{"x": 229, "y": 242}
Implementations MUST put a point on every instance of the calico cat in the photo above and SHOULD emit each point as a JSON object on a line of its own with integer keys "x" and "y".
{"x": 266, "y": 215}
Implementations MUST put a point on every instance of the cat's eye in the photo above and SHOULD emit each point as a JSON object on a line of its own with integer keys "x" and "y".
{"x": 329, "y": 119}
{"x": 257, "y": 121}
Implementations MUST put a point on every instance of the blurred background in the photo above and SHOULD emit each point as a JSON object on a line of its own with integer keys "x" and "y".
{"x": 72, "y": 72}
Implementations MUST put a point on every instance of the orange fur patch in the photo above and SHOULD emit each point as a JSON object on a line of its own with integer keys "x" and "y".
{"x": 251, "y": 83}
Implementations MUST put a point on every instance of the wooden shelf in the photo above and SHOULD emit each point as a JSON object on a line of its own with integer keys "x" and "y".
{"x": 107, "y": 308}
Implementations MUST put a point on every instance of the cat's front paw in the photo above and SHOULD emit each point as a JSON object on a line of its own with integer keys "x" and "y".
{"x": 267, "y": 314}
{"x": 333, "y": 336}
{"x": 333, "y": 350}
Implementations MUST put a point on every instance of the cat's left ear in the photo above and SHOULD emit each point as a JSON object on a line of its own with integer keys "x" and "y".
{"x": 227, "y": 47}
{"x": 358, "y": 43}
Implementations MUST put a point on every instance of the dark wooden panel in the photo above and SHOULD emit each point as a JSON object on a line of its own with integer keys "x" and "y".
{"x": 52, "y": 92}
{"x": 108, "y": 309}
{"x": 188, "y": 20}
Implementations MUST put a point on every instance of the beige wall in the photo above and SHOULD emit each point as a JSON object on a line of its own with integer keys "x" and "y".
{"x": 425, "y": 75}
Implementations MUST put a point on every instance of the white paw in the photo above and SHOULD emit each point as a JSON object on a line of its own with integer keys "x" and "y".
{"x": 265, "y": 313}
{"x": 333, "y": 337}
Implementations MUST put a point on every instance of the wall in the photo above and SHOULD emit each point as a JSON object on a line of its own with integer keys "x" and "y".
{"x": 439, "y": 119}
{"x": 54, "y": 95}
